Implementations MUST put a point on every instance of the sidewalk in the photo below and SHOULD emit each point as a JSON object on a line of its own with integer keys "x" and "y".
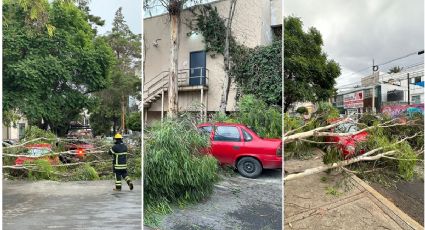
{"x": 330, "y": 201}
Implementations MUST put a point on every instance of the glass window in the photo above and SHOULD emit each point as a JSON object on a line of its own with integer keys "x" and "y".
{"x": 246, "y": 135}
{"x": 227, "y": 133}
{"x": 205, "y": 129}
{"x": 416, "y": 99}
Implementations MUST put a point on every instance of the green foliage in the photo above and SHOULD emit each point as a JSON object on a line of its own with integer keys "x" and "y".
{"x": 86, "y": 172}
{"x": 259, "y": 72}
{"x": 134, "y": 121}
{"x": 395, "y": 69}
{"x": 43, "y": 171}
{"x": 292, "y": 122}
{"x": 212, "y": 27}
{"x": 330, "y": 190}
{"x": 265, "y": 120}
{"x": 175, "y": 171}
{"x": 33, "y": 132}
{"x": 406, "y": 161}
{"x": 49, "y": 77}
{"x": 134, "y": 167}
{"x": 332, "y": 155}
{"x": 302, "y": 110}
{"x": 326, "y": 111}
{"x": 124, "y": 82}
{"x": 10, "y": 118}
{"x": 308, "y": 74}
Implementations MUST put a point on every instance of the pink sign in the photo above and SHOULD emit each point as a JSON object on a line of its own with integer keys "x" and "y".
{"x": 353, "y": 100}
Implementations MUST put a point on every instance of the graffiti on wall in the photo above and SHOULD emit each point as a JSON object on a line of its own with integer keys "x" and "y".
{"x": 398, "y": 110}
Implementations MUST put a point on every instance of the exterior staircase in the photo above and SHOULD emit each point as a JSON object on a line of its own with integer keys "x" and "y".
{"x": 155, "y": 87}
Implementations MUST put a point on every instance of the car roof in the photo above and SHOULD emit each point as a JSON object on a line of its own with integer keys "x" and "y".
{"x": 220, "y": 124}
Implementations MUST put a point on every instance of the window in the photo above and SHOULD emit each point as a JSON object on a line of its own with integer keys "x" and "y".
{"x": 367, "y": 93}
{"x": 227, "y": 133}
{"x": 205, "y": 129}
{"x": 246, "y": 135}
{"x": 416, "y": 99}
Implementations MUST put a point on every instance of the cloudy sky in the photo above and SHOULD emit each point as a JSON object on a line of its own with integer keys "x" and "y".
{"x": 357, "y": 31}
{"x": 132, "y": 11}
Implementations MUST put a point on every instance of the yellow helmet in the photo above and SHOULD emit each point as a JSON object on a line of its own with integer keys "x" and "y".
{"x": 117, "y": 136}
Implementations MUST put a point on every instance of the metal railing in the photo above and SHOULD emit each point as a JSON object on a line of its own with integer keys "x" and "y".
{"x": 154, "y": 86}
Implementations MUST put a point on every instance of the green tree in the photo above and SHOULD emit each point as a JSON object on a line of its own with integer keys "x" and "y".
{"x": 395, "y": 69}
{"x": 174, "y": 9}
{"x": 113, "y": 101}
{"x": 260, "y": 73}
{"x": 49, "y": 79}
{"x": 308, "y": 74}
{"x": 134, "y": 121}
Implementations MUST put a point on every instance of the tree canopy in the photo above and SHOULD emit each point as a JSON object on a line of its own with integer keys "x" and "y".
{"x": 49, "y": 77}
{"x": 126, "y": 47}
{"x": 308, "y": 73}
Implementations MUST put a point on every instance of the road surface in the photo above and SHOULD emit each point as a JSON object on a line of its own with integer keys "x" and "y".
{"x": 70, "y": 205}
{"x": 236, "y": 203}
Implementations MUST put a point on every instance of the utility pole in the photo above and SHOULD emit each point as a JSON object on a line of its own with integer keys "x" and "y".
{"x": 408, "y": 89}
{"x": 373, "y": 86}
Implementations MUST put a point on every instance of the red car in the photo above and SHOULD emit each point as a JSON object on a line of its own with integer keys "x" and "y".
{"x": 347, "y": 144}
{"x": 37, "y": 152}
{"x": 80, "y": 147}
{"x": 242, "y": 148}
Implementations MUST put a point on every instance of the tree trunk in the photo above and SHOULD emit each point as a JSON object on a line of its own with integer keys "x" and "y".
{"x": 122, "y": 114}
{"x": 173, "y": 76}
{"x": 227, "y": 67}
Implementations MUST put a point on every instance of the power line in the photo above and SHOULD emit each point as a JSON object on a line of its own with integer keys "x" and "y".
{"x": 387, "y": 62}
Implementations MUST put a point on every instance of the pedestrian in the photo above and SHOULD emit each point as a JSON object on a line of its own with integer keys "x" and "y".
{"x": 119, "y": 162}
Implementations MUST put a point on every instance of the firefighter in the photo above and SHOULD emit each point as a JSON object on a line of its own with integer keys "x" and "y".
{"x": 119, "y": 162}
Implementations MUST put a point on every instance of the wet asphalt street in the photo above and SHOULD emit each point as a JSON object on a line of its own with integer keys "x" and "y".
{"x": 70, "y": 205}
{"x": 236, "y": 203}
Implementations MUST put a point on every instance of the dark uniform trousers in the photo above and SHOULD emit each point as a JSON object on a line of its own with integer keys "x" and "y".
{"x": 119, "y": 162}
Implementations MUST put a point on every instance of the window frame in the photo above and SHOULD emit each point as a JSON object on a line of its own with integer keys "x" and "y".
{"x": 227, "y": 126}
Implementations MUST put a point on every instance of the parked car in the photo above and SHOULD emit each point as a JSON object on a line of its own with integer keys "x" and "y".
{"x": 347, "y": 144}
{"x": 242, "y": 148}
{"x": 80, "y": 132}
{"x": 37, "y": 152}
{"x": 79, "y": 147}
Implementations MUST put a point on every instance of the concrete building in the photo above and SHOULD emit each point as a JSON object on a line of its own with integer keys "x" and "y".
{"x": 15, "y": 131}
{"x": 390, "y": 90}
{"x": 201, "y": 74}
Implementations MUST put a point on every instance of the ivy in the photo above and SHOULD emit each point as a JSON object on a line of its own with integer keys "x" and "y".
{"x": 257, "y": 71}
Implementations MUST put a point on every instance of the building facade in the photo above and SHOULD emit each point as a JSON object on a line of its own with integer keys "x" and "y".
{"x": 390, "y": 90}
{"x": 201, "y": 74}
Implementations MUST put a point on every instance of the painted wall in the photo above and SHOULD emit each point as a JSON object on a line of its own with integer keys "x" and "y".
{"x": 251, "y": 27}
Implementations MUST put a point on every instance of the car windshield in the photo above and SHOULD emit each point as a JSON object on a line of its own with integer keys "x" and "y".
{"x": 38, "y": 151}
{"x": 346, "y": 128}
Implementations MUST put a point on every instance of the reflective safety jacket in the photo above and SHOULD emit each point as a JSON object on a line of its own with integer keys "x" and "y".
{"x": 119, "y": 153}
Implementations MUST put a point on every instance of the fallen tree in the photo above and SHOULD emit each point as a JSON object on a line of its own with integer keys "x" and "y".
{"x": 394, "y": 139}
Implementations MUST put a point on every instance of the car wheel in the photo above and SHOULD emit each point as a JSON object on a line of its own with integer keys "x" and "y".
{"x": 249, "y": 167}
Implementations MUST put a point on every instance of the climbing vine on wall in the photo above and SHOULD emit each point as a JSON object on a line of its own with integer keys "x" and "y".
{"x": 257, "y": 71}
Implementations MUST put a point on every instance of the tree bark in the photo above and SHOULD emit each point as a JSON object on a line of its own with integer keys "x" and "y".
{"x": 227, "y": 67}
{"x": 173, "y": 76}
{"x": 323, "y": 168}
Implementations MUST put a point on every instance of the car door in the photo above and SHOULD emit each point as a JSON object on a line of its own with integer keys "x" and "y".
{"x": 226, "y": 143}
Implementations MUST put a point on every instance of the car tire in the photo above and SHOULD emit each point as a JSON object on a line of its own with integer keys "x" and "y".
{"x": 249, "y": 167}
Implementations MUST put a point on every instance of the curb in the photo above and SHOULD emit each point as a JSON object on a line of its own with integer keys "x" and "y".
{"x": 402, "y": 215}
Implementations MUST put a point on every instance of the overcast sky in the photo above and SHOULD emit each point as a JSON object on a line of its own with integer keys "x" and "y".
{"x": 356, "y": 31}
{"x": 132, "y": 11}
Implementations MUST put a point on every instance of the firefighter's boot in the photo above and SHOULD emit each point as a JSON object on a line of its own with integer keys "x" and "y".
{"x": 130, "y": 184}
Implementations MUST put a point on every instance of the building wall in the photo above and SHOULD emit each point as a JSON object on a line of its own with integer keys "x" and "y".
{"x": 251, "y": 27}
{"x": 276, "y": 12}
{"x": 12, "y": 132}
